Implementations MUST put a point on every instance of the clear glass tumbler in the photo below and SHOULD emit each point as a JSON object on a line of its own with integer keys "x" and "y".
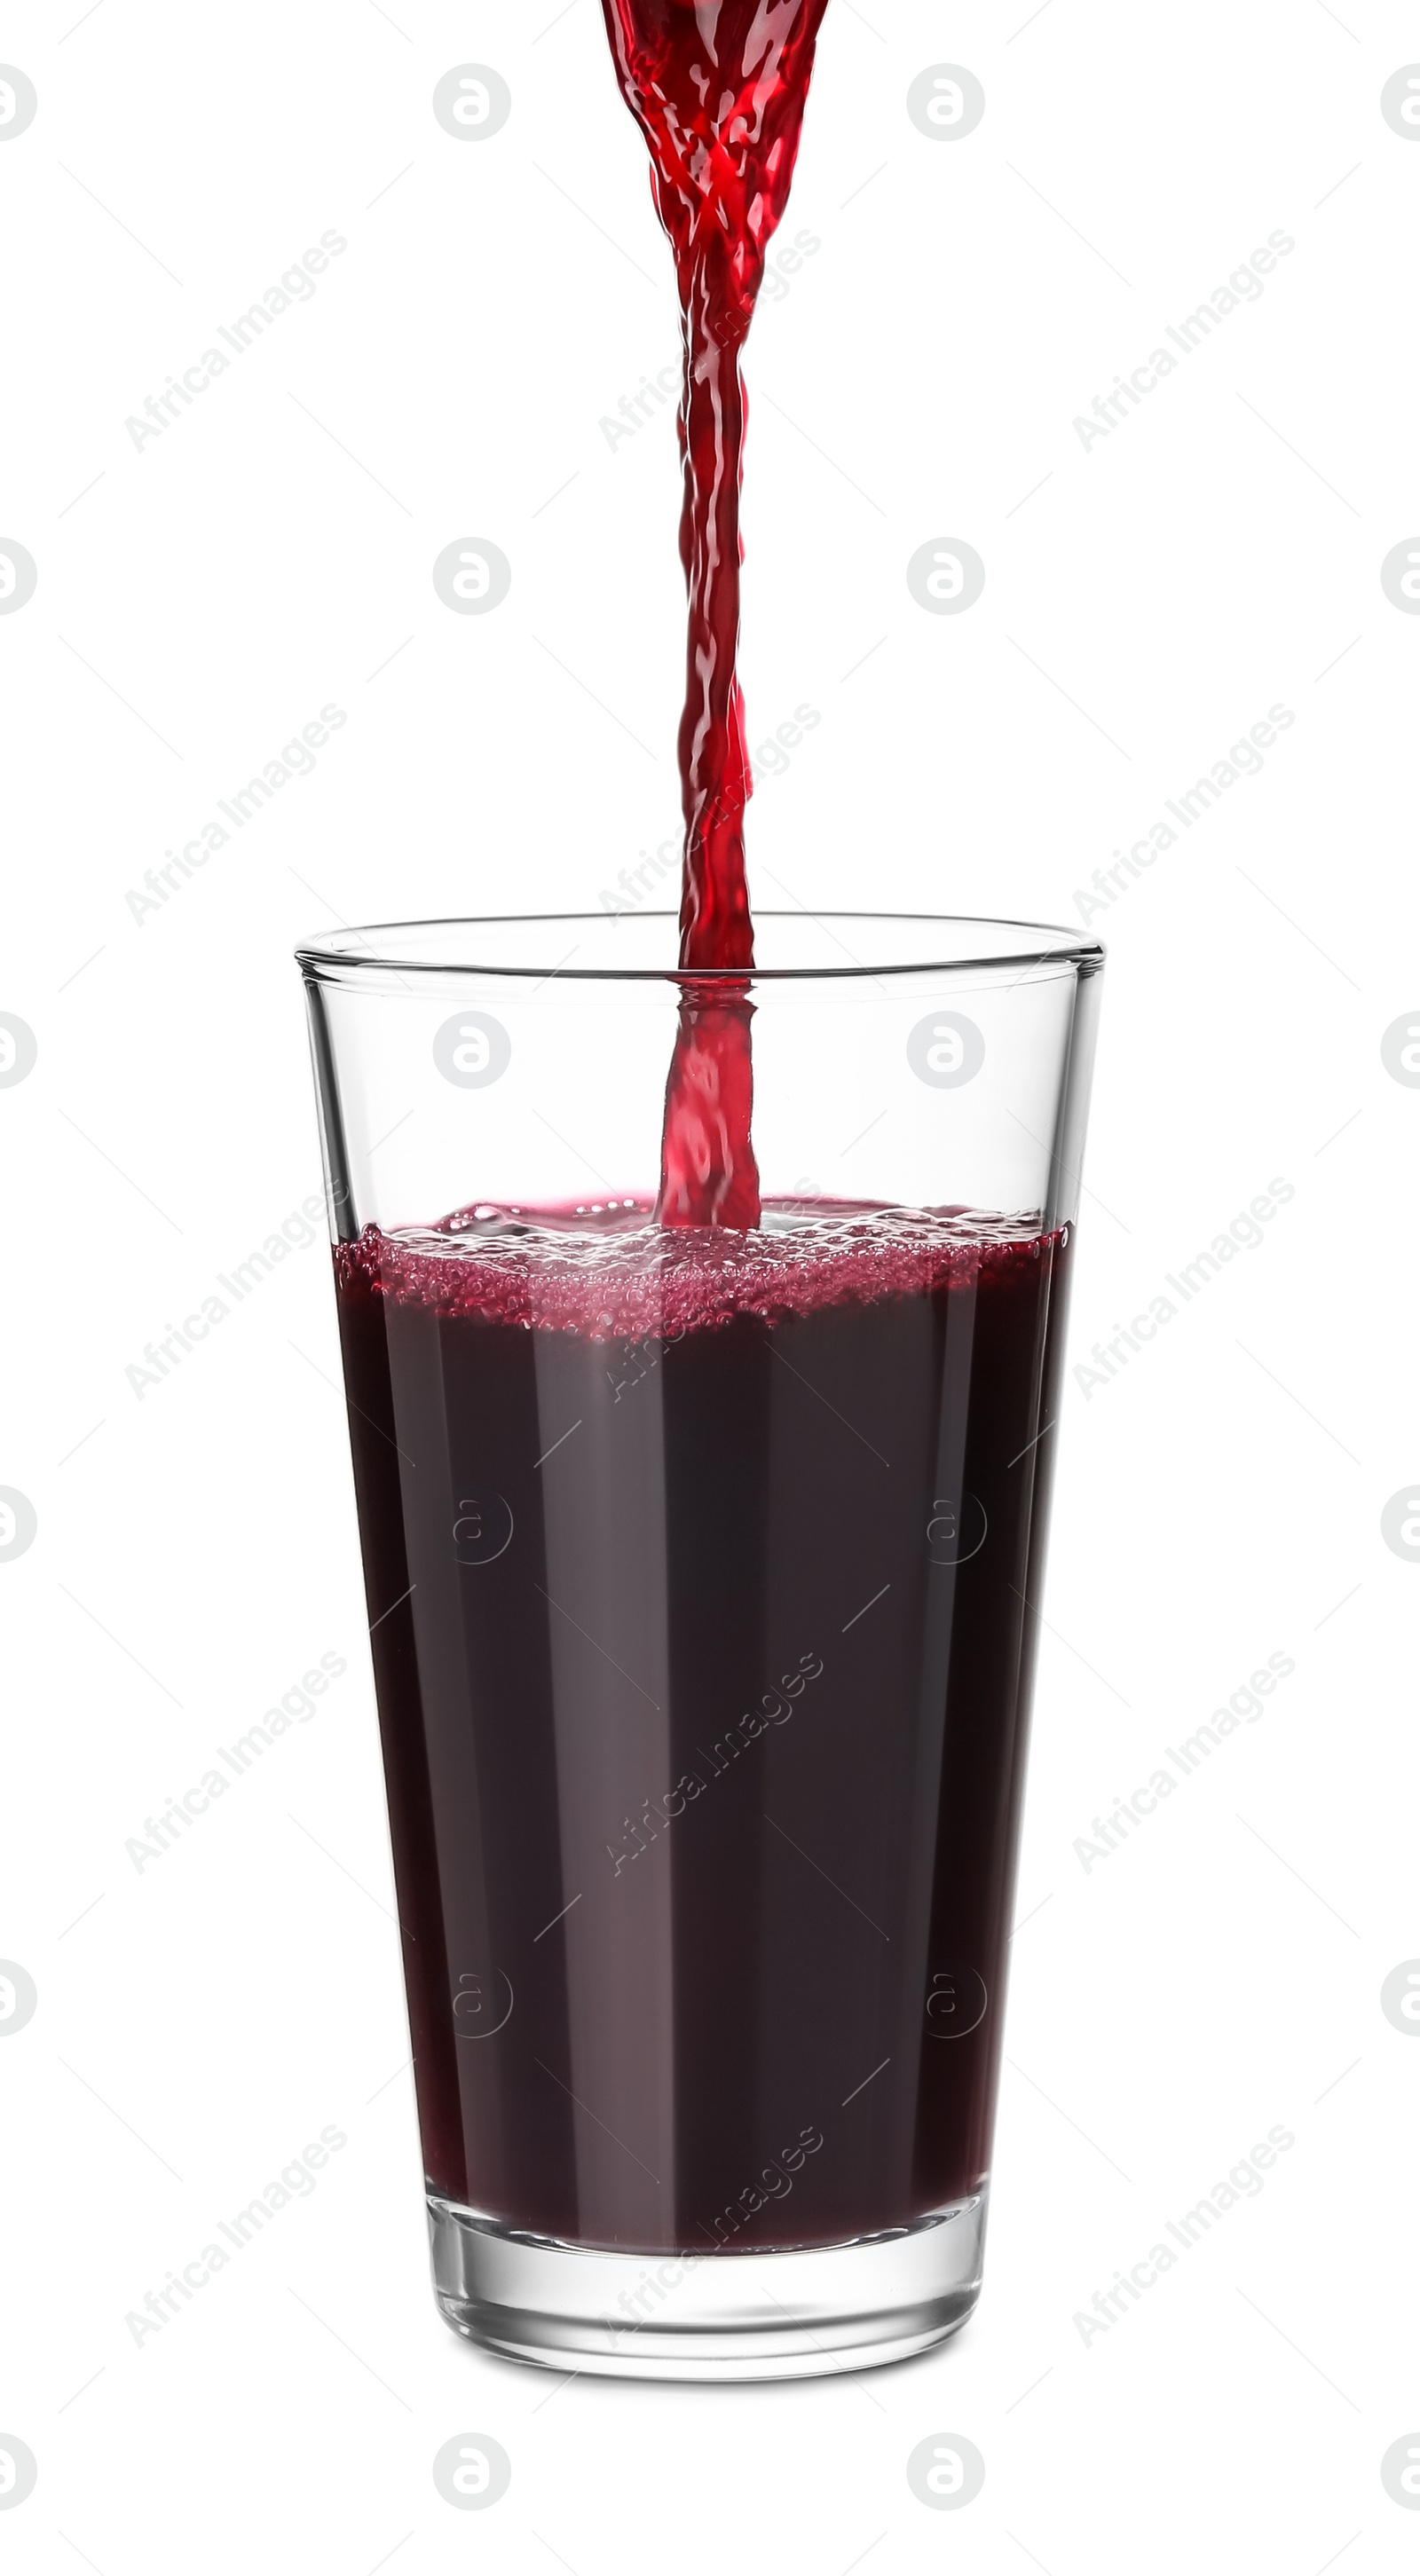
{"x": 702, "y": 1571}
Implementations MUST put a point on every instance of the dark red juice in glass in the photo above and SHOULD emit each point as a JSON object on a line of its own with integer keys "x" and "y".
{"x": 698, "y": 1571}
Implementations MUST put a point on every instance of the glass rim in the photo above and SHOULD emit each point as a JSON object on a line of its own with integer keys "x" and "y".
{"x": 387, "y": 947}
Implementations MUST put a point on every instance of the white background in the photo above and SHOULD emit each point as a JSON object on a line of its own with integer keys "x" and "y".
{"x": 1147, "y": 600}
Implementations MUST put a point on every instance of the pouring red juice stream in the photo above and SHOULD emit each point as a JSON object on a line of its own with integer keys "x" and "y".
{"x": 718, "y": 88}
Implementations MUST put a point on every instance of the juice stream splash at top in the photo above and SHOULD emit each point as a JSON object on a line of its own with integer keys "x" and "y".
{"x": 718, "y": 88}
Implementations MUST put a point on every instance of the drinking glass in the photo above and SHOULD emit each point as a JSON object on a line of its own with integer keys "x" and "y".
{"x": 703, "y": 1573}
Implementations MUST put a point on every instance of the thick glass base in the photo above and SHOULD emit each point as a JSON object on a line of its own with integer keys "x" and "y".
{"x": 798, "y": 2314}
